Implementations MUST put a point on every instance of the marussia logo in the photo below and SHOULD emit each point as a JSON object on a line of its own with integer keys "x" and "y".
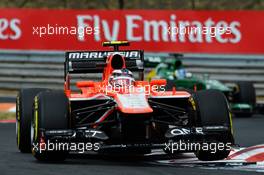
{"x": 138, "y": 29}
{"x": 102, "y": 54}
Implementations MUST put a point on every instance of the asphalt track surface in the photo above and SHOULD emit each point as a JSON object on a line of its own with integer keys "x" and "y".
{"x": 248, "y": 132}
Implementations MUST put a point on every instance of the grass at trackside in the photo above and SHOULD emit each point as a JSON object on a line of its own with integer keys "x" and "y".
{"x": 7, "y": 116}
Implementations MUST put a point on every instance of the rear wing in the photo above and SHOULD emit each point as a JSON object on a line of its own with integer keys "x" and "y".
{"x": 95, "y": 61}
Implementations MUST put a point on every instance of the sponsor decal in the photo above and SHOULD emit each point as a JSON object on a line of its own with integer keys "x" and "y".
{"x": 104, "y": 54}
{"x": 185, "y": 131}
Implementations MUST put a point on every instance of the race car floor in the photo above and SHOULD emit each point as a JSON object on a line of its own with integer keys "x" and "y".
{"x": 248, "y": 132}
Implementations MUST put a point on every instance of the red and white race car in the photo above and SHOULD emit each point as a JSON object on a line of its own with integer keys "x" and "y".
{"x": 119, "y": 114}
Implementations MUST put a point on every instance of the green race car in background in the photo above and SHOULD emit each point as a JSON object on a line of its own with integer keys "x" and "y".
{"x": 241, "y": 96}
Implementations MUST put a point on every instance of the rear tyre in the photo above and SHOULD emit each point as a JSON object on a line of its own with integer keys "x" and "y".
{"x": 212, "y": 110}
{"x": 24, "y": 108}
{"x": 246, "y": 94}
{"x": 51, "y": 112}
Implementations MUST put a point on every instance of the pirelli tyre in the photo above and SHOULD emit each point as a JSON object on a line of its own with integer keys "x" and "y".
{"x": 246, "y": 94}
{"x": 51, "y": 112}
{"x": 24, "y": 109}
{"x": 211, "y": 109}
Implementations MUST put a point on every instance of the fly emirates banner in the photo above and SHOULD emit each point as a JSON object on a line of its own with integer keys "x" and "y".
{"x": 237, "y": 32}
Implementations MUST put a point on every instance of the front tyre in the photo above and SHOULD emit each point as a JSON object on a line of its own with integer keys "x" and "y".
{"x": 211, "y": 109}
{"x": 24, "y": 108}
{"x": 51, "y": 112}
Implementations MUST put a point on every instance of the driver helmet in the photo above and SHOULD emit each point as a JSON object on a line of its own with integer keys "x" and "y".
{"x": 121, "y": 77}
{"x": 180, "y": 73}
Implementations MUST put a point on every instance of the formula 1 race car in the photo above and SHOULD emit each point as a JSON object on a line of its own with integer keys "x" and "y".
{"x": 120, "y": 114}
{"x": 241, "y": 97}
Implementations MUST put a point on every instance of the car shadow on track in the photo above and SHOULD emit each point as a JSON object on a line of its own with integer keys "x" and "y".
{"x": 120, "y": 160}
